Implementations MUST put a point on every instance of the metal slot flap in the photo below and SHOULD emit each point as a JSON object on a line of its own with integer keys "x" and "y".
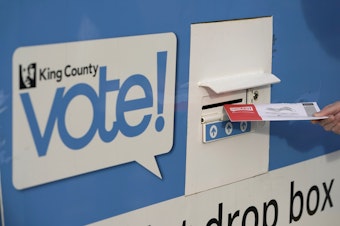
{"x": 238, "y": 82}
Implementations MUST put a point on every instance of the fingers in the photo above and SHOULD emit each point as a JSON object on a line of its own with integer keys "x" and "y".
{"x": 330, "y": 124}
{"x": 331, "y": 109}
{"x": 336, "y": 129}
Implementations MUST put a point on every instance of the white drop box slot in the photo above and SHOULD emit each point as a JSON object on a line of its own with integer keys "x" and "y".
{"x": 230, "y": 62}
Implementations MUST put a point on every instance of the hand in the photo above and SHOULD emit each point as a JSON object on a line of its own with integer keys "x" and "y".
{"x": 332, "y": 123}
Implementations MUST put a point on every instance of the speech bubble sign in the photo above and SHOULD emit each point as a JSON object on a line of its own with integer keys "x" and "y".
{"x": 84, "y": 106}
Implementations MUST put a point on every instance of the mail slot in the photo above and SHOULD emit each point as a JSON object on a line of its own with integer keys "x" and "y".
{"x": 230, "y": 90}
{"x": 230, "y": 63}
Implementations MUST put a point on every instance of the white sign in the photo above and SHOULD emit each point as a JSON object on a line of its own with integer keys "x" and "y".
{"x": 302, "y": 194}
{"x": 84, "y": 106}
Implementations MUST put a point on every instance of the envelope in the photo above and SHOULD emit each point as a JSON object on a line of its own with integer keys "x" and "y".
{"x": 272, "y": 112}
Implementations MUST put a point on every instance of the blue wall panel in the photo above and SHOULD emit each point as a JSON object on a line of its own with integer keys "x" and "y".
{"x": 306, "y": 54}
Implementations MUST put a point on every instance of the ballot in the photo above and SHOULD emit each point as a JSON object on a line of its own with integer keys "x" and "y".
{"x": 272, "y": 112}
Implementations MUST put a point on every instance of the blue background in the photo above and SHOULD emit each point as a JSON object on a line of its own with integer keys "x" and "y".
{"x": 306, "y": 54}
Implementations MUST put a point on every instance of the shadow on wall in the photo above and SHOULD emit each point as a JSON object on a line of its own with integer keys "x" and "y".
{"x": 305, "y": 140}
{"x": 323, "y": 19}
{"x": 304, "y": 136}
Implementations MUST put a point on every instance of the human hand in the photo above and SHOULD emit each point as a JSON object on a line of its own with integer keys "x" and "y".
{"x": 332, "y": 123}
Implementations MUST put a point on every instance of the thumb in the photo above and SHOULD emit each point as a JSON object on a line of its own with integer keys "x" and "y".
{"x": 331, "y": 109}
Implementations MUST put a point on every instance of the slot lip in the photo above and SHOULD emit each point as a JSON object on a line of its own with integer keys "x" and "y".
{"x": 213, "y": 117}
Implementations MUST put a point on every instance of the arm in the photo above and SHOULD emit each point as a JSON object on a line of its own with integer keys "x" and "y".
{"x": 333, "y": 122}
